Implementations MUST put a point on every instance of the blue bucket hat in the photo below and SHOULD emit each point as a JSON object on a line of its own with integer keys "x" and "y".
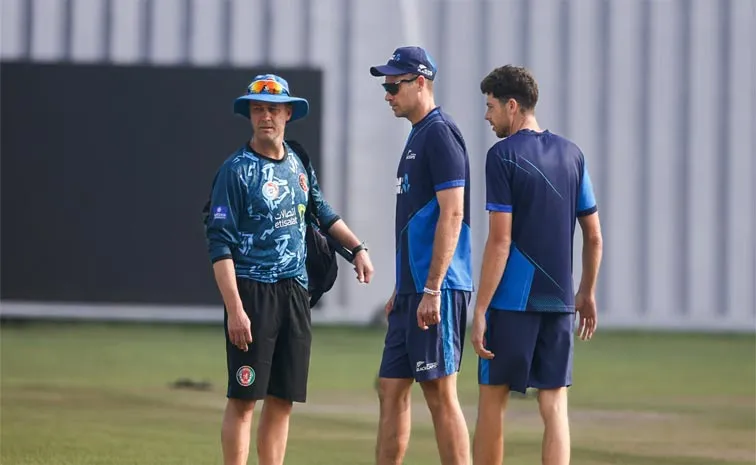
{"x": 407, "y": 60}
{"x": 273, "y": 89}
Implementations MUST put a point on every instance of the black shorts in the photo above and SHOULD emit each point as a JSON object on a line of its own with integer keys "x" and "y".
{"x": 278, "y": 360}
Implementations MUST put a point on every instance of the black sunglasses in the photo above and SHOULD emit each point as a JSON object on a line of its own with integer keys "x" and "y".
{"x": 393, "y": 87}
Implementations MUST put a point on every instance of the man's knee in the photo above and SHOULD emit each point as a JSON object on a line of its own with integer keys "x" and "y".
{"x": 552, "y": 403}
{"x": 278, "y": 405}
{"x": 394, "y": 393}
{"x": 241, "y": 408}
{"x": 441, "y": 393}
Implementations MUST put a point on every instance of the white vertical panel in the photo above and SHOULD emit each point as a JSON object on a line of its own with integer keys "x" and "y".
{"x": 87, "y": 30}
{"x": 47, "y": 30}
{"x": 327, "y": 28}
{"x": 467, "y": 108}
{"x": 741, "y": 236}
{"x": 375, "y": 141}
{"x": 206, "y": 36}
{"x": 287, "y": 33}
{"x": 127, "y": 23}
{"x": 703, "y": 155}
{"x": 583, "y": 112}
{"x": 247, "y": 41}
{"x": 621, "y": 250}
{"x": 662, "y": 106}
{"x": 544, "y": 62}
{"x": 502, "y": 36}
{"x": 12, "y": 24}
{"x": 166, "y": 44}
{"x": 456, "y": 58}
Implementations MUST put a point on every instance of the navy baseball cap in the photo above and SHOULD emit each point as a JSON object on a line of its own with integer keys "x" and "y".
{"x": 407, "y": 60}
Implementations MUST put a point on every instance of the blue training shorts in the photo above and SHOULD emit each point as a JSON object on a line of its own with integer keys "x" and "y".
{"x": 410, "y": 352}
{"x": 531, "y": 349}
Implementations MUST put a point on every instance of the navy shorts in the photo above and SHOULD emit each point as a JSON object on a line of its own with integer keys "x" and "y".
{"x": 531, "y": 349}
{"x": 410, "y": 352}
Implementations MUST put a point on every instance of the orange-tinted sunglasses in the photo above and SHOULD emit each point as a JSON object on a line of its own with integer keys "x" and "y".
{"x": 266, "y": 87}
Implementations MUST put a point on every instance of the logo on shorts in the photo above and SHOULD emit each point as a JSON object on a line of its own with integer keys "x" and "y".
{"x": 423, "y": 366}
{"x": 270, "y": 190}
{"x": 245, "y": 376}
{"x": 303, "y": 182}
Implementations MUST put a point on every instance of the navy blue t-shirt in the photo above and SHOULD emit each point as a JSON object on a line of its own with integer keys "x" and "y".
{"x": 543, "y": 180}
{"x": 434, "y": 158}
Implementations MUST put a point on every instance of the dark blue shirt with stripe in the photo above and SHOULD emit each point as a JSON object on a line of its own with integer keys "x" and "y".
{"x": 434, "y": 158}
{"x": 542, "y": 179}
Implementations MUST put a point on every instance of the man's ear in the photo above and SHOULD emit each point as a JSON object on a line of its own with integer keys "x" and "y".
{"x": 290, "y": 110}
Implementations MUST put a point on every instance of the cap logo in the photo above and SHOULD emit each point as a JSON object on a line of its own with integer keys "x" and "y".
{"x": 422, "y": 69}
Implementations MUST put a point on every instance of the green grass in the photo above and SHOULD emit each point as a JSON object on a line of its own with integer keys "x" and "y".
{"x": 90, "y": 394}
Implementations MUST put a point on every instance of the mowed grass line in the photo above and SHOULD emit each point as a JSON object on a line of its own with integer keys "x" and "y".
{"x": 99, "y": 394}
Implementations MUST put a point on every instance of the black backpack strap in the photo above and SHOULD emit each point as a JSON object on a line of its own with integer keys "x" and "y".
{"x": 300, "y": 151}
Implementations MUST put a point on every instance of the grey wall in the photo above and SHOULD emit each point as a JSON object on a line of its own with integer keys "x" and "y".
{"x": 659, "y": 94}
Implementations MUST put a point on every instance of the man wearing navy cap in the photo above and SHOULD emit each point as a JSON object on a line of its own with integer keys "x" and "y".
{"x": 256, "y": 239}
{"x": 427, "y": 312}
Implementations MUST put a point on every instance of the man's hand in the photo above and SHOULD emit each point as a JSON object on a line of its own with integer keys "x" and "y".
{"x": 429, "y": 311}
{"x": 478, "y": 336}
{"x": 239, "y": 329}
{"x": 363, "y": 267}
{"x": 390, "y": 304}
{"x": 585, "y": 306}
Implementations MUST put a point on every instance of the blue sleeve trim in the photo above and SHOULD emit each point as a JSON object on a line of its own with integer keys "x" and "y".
{"x": 497, "y": 207}
{"x": 588, "y": 211}
{"x": 450, "y": 184}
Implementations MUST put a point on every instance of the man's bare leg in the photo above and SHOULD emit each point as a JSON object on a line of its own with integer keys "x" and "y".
{"x": 452, "y": 436}
{"x": 488, "y": 444}
{"x": 236, "y": 430}
{"x": 273, "y": 431}
{"x": 395, "y": 420}
{"x": 552, "y": 404}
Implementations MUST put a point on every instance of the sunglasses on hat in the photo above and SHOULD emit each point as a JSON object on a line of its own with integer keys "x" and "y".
{"x": 267, "y": 86}
{"x": 393, "y": 87}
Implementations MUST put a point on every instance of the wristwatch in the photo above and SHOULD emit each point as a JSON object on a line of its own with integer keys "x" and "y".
{"x": 359, "y": 248}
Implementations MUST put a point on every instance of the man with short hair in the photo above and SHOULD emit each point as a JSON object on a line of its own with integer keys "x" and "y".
{"x": 427, "y": 311}
{"x": 537, "y": 184}
{"x": 256, "y": 237}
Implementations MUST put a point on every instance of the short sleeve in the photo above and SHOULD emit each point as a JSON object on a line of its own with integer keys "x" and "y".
{"x": 226, "y": 206}
{"x": 324, "y": 212}
{"x": 498, "y": 182}
{"x": 586, "y": 202}
{"x": 446, "y": 157}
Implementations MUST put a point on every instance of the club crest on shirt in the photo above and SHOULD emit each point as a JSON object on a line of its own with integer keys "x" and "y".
{"x": 270, "y": 190}
{"x": 303, "y": 182}
{"x": 245, "y": 376}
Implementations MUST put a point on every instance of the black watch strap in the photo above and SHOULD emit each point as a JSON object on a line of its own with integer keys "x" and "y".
{"x": 359, "y": 248}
